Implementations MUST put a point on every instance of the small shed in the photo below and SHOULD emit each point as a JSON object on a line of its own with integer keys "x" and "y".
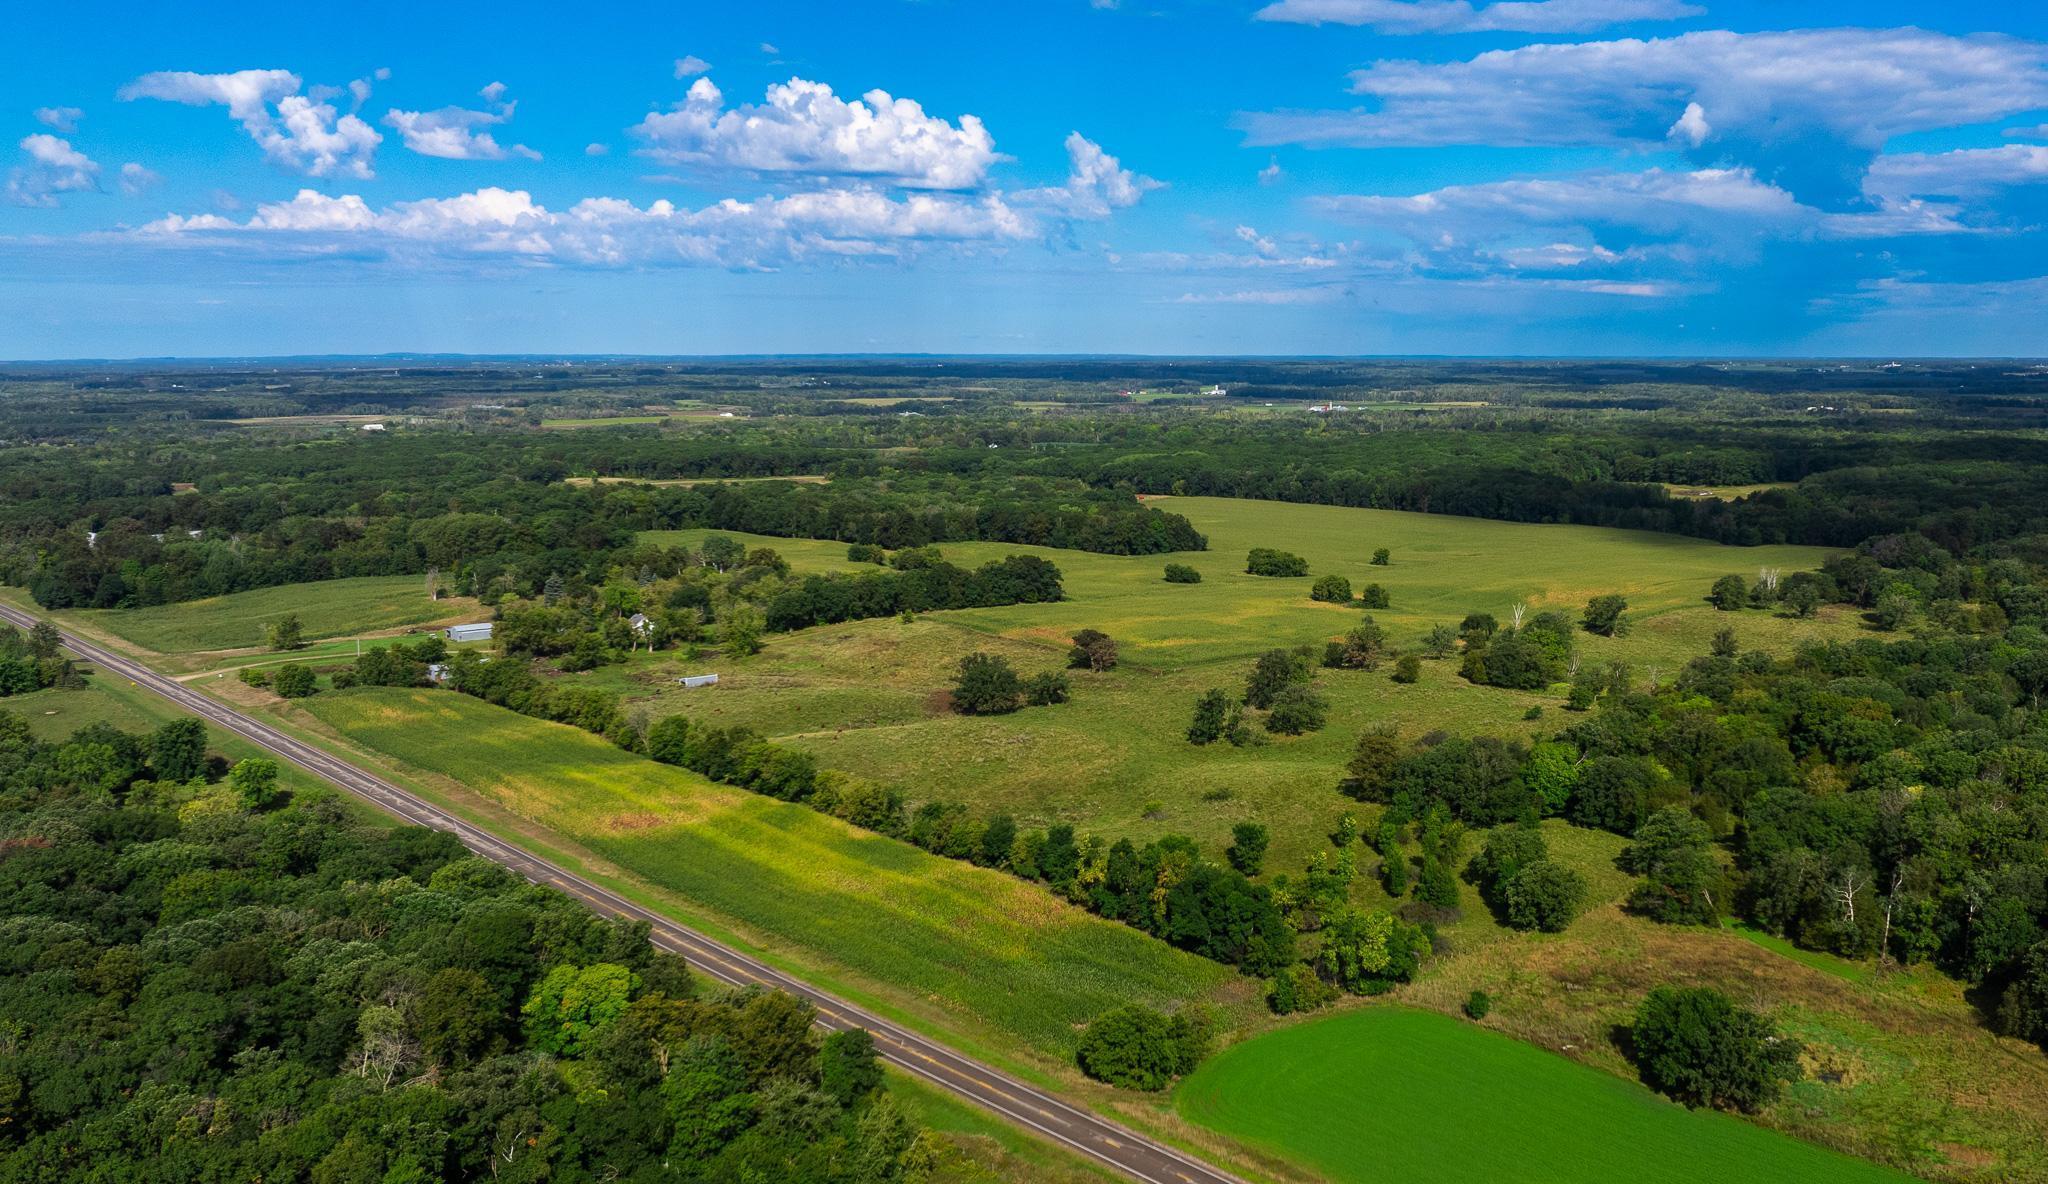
{"x": 689, "y": 681}
{"x": 437, "y": 672}
{"x": 480, "y": 631}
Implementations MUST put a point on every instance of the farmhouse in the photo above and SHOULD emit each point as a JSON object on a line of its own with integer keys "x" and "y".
{"x": 640, "y": 625}
{"x": 480, "y": 631}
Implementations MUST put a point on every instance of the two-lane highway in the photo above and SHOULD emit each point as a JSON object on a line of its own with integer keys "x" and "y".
{"x": 1107, "y": 1142}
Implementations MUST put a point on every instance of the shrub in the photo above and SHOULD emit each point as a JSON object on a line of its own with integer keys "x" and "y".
{"x": 1247, "y": 850}
{"x": 1047, "y": 689}
{"x": 1275, "y": 671}
{"x": 286, "y": 633}
{"x": 1477, "y": 1005}
{"x": 1093, "y": 650}
{"x": 1730, "y": 594}
{"x": 255, "y": 676}
{"x": 1696, "y": 1045}
{"x": 1374, "y": 596}
{"x": 1298, "y": 989}
{"x": 1508, "y": 849}
{"x": 866, "y": 553}
{"x": 1212, "y": 711}
{"x": 1361, "y": 649}
{"x": 294, "y": 682}
{"x": 1297, "y": 710}
{"x": 1181, "y": 573}
{"x": 1408, "y": 668}
{"x": 1138, "y": 1048}
{"x": 987, "y": 686}
{"x": 1603, "y": 616}
{"x": 1382, "y": 557}
{"x": 1264, "y": 561}
{"x": 1544, "y": 895}
{"x": 1331, "y": 589}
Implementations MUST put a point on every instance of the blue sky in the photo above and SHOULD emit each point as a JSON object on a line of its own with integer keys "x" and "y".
{"x": 1549, "y": 177}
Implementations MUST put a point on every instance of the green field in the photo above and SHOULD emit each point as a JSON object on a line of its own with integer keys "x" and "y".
{"x": 56, "y": 714}
{"x": 1390, "y": 1093}
{"x": 329, "y": 608}
{"x": 860, "y": 696}
{"x": 970, "y": 949}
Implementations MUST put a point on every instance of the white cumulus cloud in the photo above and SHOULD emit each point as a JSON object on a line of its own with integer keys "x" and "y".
{"x": 296, "y": 131}
{"x": 458, "y": 133}
{"x": 137, "y": 179}
{"x": 1097, "y": 183}
{"x": 769, "y": 232}
{"x": 690, "y": 66}
{"x": 52, "y": 167}
{"x": 803, "y": 128}
{"x": 1461, "y": 16}
{"x": 62, "y": 119}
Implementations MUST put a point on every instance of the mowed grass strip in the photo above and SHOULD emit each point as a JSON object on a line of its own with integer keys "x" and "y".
{"x": 1391, "y": 1093}
{"x": 326, "y": 608}
{"x": 981, "y": 947}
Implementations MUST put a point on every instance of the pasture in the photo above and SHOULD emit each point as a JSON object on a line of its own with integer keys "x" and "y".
{"x": 864, "y": 696}
{"x": 966, "y": 949}
{"x": 242, "y": 620}
{"x": 1391, "y": 1093}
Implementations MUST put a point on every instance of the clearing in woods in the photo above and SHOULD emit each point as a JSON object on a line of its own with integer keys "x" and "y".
{"x": 864, "y": 696}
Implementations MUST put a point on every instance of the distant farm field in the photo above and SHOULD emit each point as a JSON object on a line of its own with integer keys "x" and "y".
{"x": 865, "y": 696}
{"x": 1441, "y": 568}
{"x": 1390, "y": 1093}
{"x": 971, "y": 948}
{"x": 686, "y": 482}
{"x": 328, "y": 608}
{"x": 603, "y": 421}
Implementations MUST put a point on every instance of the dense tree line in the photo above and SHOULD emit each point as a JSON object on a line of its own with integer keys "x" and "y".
{"x": 829, "y": 599}
{"x": 490, "y": 512}
{"x": 201, "y": 983}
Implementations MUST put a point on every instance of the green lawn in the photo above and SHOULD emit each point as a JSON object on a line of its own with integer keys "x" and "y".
{"x": 860, "y": 696}
{"x": 971, "y": 948}
{"x": 1390, "y": 1093}
{"x": 328, "y": 608}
